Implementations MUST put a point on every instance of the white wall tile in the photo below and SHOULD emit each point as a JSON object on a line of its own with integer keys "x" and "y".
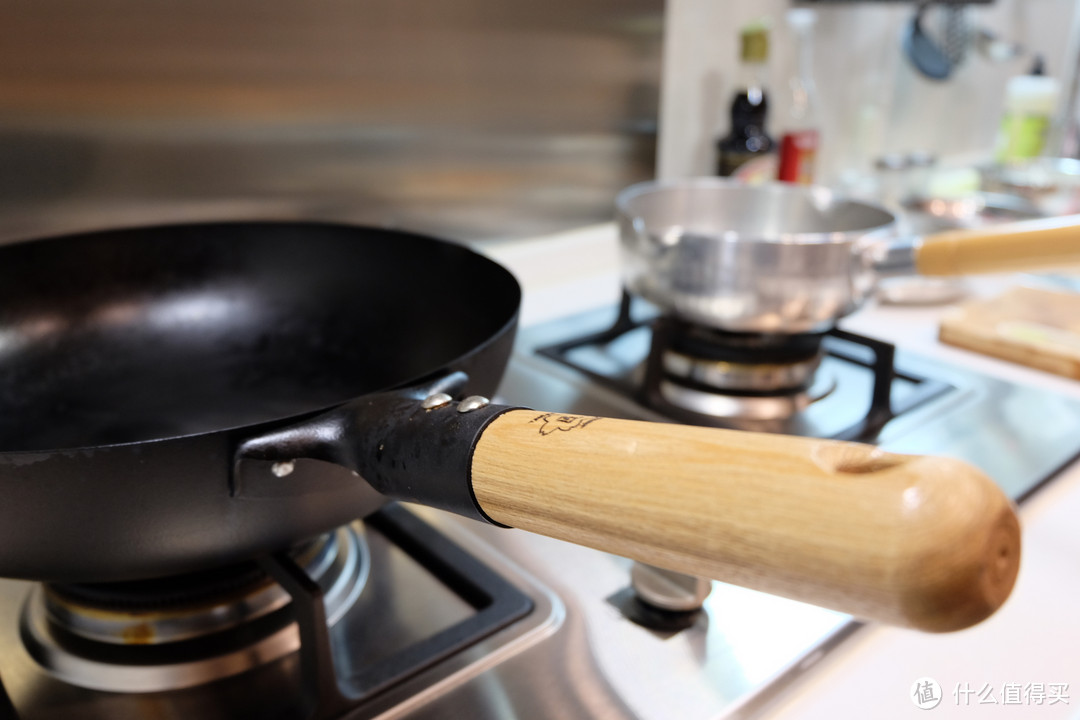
{"x": 872, "y": 101}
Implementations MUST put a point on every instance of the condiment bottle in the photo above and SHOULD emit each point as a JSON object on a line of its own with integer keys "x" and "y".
{"x": 1030, "y": 103}
{"x": 801, "y": 130}
{"x": 747, "y": 139}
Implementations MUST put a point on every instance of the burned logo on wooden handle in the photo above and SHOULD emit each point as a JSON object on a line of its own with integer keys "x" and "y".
{"x": 554, "y": 422}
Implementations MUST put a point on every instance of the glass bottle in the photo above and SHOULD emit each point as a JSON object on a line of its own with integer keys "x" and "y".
{"x": 801, "y": 131}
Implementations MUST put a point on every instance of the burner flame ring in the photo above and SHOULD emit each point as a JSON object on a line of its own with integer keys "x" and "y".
{"x": 128, "y": 650}
{"x": 723, "y": 375}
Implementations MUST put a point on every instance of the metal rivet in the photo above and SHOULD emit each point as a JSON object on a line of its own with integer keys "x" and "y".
{"x": 281, "y": 469}
{"x": 473, "y": 402}
{"x": 437, "y": 400}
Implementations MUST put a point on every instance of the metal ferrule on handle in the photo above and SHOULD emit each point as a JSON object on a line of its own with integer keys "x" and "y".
{"x": 896, "y": 259}
{"x": 403, "y": 446}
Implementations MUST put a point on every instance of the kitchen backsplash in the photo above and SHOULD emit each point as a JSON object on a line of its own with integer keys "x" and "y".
{"x": 470, "y": 119}
{"x": 872, "y": 101}
{"x": 465, "y": 118}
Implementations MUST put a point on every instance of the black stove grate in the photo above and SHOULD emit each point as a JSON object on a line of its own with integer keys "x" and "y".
{"x": 877, "y": 356}
{"x": 497, "y": 602}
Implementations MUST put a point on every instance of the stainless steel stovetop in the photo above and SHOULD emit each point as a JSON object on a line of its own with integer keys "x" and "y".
{"x": 747, "y": 646}
{"x": 563, "y": 649}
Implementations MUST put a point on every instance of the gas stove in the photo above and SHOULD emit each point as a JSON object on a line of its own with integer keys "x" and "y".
{"x": 414, "y": 613}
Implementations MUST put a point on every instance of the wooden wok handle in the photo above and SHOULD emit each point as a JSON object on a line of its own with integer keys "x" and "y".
{"x": 1013, "y": 246}
{"x": 921, "y": 542}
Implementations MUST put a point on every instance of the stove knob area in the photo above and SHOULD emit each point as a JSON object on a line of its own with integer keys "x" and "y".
{"x": 668, "y": 590}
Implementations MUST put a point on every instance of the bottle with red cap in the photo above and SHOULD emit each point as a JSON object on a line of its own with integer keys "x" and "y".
{"x": 801, "y": 132}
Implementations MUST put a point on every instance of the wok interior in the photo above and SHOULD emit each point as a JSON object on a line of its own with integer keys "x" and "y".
{"x": 152, "y": 333}
{"x": 769, "y": 212}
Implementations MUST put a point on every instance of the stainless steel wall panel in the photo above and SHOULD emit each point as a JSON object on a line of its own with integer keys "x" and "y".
{"x": 469, "y": 118}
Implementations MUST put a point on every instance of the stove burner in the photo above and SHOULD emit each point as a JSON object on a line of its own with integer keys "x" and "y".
{"x": 722, "y": 376}
{"x": 701, "y": 375}
{"x": 171, "y": 633}
{"x": 709, "y": 343}
{"x": 709, "y": 407}
{"x": 178, "y": 591}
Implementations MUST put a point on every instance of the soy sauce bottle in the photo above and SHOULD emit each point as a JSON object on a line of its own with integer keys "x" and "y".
{"x": 747, "y": 140}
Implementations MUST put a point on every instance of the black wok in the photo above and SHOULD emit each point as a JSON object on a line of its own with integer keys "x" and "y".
{"x": 179, "y": 397}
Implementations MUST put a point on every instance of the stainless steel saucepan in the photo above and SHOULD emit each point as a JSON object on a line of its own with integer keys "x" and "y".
{"x": 791, "y": 259}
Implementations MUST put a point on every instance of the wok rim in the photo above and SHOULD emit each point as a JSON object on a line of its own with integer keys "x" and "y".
{"x": 254, "y": 429}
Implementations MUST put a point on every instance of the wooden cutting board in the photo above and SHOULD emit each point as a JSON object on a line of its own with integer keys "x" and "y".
{"x": 1029, "y": 326}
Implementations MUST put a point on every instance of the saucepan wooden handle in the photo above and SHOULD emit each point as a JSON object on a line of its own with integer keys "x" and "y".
{"x": 922, "y": 542}
{"x": 1014, "y": 246}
